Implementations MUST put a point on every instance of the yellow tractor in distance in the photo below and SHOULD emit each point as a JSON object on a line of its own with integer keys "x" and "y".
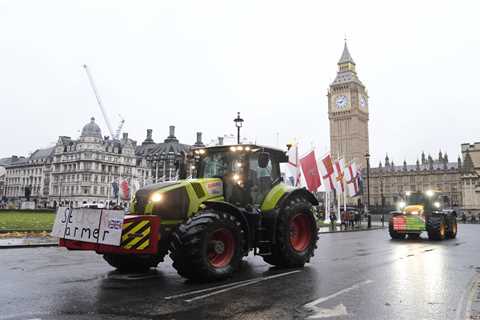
{"x": 423, "y": 211}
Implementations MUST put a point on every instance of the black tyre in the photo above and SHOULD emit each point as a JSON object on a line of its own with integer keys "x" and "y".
{"x": 209, "y": 246}
{"x": 394, "y": 234}
{"x": 436, "y": 228}
{"x": 413, "y": 236}
{"x": 452, "y": 230}
{"x": 132, "y": 263}
{"x": 296, "y": 235}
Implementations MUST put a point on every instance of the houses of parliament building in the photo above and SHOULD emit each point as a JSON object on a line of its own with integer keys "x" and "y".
{"x": 348, "y": 113}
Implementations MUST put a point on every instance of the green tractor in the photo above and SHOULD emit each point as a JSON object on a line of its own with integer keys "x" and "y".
{"x": 423, "y": 211}
{"x": 236, "y": 202}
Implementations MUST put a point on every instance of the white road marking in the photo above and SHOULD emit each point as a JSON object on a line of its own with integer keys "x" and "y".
{"x": 190, "y": 293}
{"x": 338, "y": 310}
{"x": 228, "y": 287}
{"x": 333, "y": 295}
{"x": 320, "y": 313}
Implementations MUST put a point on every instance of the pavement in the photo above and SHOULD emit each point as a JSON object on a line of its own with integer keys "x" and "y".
{"x": 354, "y": 275}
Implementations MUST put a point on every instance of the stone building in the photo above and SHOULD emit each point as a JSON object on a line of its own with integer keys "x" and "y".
{"x": 471, "y": 176}
{"x": 78, "y": 171}
{"x": 156, "y": 161}
{"x": 31, "y": 173}
{"x": 83, "y": 170}
{"x": 389, "y": 182}
{"x": 348, "y": 112}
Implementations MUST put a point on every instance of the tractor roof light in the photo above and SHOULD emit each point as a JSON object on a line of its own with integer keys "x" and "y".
{"x": 233, "y": 149}
{"x": 156, "y": 197}
{"x": 201, "y": 151}
{"x": 247, "y": 148}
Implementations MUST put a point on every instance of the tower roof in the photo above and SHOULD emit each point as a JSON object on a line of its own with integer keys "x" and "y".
{"x": 92, "y": 130}
{"x": 346, "y": 57}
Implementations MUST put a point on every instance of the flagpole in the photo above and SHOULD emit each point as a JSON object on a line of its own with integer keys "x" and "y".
{"x": 339, "y": 220}
{"x": 327, "y": 207}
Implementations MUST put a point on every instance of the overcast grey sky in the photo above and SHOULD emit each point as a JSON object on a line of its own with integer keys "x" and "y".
{"x": 194, "y": 64}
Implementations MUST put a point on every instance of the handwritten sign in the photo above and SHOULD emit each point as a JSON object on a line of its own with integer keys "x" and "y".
{"x": 89, "y": 225}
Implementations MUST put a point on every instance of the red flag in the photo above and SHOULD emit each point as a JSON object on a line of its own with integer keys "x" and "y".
{"x": 310, "y": 171}
{"x": 326, "y": 166}
{"x": 339, "y": 166}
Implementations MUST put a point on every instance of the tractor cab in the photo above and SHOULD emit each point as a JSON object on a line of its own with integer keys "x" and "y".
{"x": 421, "y": 203}
{"x": 248, "y": 172}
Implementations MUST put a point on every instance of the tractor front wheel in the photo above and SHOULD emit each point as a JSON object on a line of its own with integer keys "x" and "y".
{"x": 209, "y": 246}
{"x": 452, "y": 231}
{"x": 436, "y": 228}
{"x": 132, "y": 263}
{"x": 297, "y": 235}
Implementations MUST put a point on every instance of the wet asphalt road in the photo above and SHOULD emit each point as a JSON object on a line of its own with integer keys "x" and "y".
{"x": 357, "y": 275}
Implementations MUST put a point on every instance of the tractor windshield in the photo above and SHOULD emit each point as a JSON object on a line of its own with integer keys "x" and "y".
{"x": 220, "y": 164}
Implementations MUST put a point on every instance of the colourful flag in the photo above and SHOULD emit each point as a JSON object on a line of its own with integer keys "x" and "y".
{"x": 124, "y": 190}
{"x": 293, "y": 164}
{"x": 310, "y": 171}
{"x": 352, "y": 177}
{"x": 326, "y": 168}
{"x": 339, "y": 167}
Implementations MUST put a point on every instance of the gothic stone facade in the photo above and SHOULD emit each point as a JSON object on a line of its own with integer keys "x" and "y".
{"x": 388, "y": 182}
{"x": 348, "y": 112}
{"x": 471, "y": 176}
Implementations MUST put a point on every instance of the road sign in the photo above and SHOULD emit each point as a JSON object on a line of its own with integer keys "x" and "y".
{"x": 89, "y": 225}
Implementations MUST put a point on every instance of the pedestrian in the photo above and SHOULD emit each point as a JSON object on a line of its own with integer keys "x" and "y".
{"x": 333, "y": 219}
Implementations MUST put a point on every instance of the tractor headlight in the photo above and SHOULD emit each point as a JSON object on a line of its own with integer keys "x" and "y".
{"x": 401, "y": 205}
{"x": 436, "y": 204}
{"x": 156, "y": 197}
{"x": 429, "y": 193}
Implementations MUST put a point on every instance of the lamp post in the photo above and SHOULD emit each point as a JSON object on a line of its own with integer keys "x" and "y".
{"x": 238, "y": 123}
{"x": 367, "y": 157}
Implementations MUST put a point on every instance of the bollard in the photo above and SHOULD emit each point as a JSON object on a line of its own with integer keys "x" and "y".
{"x": 369, "y": 223}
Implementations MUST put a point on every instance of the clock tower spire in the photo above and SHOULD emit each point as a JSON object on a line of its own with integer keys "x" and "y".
{"x": 348, "y": 112}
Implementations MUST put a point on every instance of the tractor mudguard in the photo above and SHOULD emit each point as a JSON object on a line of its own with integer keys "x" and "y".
{"x": 301, "y": 192}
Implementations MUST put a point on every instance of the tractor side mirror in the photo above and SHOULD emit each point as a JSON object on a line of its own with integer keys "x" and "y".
{"x": 263, "y": 159}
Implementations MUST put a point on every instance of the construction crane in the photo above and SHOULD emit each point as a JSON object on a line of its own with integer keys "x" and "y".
{"x": 100, "y": 104}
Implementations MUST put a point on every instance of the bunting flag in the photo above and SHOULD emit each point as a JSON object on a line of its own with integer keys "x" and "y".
{"x": 352, "y": 177}
{"x": 294, "y": 165}
{"x": 339, "y": 167}
{"x": 326, "y": 169}
{"x": 310, "y": 171}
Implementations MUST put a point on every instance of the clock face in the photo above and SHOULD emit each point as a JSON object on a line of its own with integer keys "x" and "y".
{"x": 341, "y": 102}
{"x": 363, "y": 102}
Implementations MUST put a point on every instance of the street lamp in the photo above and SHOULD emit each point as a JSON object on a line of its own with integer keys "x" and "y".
{"x": 367, "y": 157}
{"x": 238, "y": 123}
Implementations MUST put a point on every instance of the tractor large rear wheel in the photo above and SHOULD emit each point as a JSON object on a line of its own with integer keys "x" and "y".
{"x": 296, "y": 235}
{"x": 209, "y": 246}
{"x": 132, "y": 263}
{"x": 436, "y": 228}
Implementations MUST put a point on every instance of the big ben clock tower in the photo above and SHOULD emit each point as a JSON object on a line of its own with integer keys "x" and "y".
{"x": 348, "y": 113}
